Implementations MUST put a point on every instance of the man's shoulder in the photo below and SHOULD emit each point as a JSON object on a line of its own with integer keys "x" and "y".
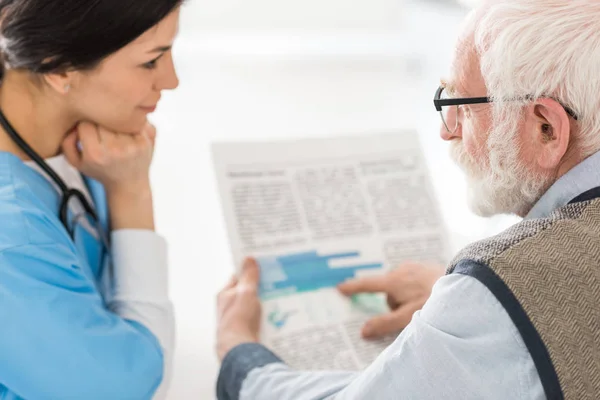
{"x": 534, "y": 269}
{"x": 559, "y": 229}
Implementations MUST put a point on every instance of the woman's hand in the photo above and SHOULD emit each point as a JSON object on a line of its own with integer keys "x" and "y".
{"x": 407, "y": 288}
{"x": 239, "y": 310}
{"x": 121, "y": 162}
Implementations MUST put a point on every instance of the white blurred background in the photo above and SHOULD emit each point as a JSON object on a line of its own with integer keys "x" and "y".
{"x": 273, "y": 69}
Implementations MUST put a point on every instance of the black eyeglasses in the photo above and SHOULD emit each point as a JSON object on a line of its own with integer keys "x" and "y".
{"x": 440, "y": 102}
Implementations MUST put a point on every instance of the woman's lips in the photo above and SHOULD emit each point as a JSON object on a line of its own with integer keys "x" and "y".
{"x": 149, "y": 109}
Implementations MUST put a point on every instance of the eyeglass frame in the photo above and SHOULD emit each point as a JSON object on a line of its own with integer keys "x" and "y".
{"x": 460, "y": 101}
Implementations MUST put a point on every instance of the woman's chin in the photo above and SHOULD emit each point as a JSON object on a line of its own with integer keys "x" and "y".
{"x": 133, "y": 123}
{"x": 133, "y": 126}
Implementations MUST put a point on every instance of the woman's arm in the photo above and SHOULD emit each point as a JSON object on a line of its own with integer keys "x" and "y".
{"x": 60, "y": 342}
{"x": 121, "y": 163}
{"x": 141, "y": 289}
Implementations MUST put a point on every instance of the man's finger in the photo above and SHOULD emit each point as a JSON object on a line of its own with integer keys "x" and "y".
{"x": 223, "y": 293}
{"x": 232, "y": 282}
{"x": 250, "y": 275}
{"x": 392, "y": 303}
{"x": 367, "y": 284}
{"x": 386, "y": 324}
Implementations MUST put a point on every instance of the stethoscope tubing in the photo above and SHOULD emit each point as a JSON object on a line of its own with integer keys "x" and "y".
{"x": 66, "y": 192}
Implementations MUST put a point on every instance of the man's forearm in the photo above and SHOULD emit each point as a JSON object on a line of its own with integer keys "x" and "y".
{"x": 251, "y": 371}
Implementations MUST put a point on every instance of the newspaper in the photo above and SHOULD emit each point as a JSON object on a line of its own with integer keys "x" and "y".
{"x": 316, "y": 212}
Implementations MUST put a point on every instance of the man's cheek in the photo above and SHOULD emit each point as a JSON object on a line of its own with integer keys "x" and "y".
{"x": 476, "y": 148}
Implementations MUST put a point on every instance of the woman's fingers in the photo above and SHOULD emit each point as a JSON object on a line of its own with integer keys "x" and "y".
{"x": 71, "y": 150}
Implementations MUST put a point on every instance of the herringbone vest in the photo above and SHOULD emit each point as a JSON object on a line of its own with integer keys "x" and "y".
{"x": 546, "y": 274}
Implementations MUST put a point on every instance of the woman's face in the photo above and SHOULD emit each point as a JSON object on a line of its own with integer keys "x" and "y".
{"x": 126, "y": 86}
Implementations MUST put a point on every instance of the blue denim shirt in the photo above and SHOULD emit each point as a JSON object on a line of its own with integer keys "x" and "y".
{"x": 461, "y": 345}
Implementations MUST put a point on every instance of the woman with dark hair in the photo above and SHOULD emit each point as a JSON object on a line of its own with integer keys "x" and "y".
{"x": 84, "y": 306}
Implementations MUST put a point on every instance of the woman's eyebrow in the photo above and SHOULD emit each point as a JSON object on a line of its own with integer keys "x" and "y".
{"x": 160, "y": 49}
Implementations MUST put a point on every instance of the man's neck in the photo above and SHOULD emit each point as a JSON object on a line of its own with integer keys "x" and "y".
{"x": 39, "y": 119}
{"x": 571, "y": 159}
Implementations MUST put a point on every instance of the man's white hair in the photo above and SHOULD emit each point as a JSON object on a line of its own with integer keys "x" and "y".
{"x": 544, "y": 48}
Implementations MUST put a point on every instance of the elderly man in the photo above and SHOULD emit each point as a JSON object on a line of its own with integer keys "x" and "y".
{"x": 515, "y": 316}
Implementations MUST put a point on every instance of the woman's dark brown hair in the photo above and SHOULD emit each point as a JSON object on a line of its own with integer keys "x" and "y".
{"x": 45, "y": 36}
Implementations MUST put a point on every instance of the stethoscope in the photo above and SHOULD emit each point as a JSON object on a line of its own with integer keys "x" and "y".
{"x": 66, "y": 193}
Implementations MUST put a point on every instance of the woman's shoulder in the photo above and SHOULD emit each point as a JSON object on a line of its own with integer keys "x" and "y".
{"x": 28, "y": 206}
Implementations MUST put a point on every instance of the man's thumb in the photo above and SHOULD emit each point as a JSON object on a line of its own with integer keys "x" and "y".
{"x": 250, "y": 275}
{"x": 389, "y": 323}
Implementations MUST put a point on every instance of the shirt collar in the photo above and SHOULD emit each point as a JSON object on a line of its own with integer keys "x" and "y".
{"x": 580, "y": 179}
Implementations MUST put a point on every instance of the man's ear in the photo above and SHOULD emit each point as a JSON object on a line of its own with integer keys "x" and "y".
{"x": 551, "y": 132}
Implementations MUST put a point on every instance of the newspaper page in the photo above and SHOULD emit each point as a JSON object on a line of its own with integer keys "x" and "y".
{"x": 317, "y": 212}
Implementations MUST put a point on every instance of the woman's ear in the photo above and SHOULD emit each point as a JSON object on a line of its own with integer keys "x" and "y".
{"x": 60, "y": 82}
{"x": 551, "y": 132}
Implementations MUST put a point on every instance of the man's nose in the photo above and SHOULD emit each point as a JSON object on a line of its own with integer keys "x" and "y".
{"x": 451, "y": 129}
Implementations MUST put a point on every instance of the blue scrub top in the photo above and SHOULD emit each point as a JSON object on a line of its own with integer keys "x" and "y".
{"x": 59, "y": 338}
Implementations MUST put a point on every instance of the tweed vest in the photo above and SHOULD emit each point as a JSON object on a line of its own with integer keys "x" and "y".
{"x": 546, "y": 274}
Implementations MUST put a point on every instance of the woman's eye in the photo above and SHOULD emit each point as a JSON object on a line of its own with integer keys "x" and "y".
{"x": 151, "y": 64}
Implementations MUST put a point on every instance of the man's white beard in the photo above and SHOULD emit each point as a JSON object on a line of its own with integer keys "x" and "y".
{"x": 500, "y": 184}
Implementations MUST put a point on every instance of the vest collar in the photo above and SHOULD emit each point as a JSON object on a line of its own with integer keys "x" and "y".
{"x": 575, "y": 184}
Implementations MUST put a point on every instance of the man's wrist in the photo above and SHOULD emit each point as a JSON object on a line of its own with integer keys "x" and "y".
{"x": 228, "y": 342}
{"x": 237, "y": 364}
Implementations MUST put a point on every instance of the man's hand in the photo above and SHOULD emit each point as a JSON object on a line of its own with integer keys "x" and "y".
{"x": 407, "y": 288}
{"x": 239, "y": 310}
